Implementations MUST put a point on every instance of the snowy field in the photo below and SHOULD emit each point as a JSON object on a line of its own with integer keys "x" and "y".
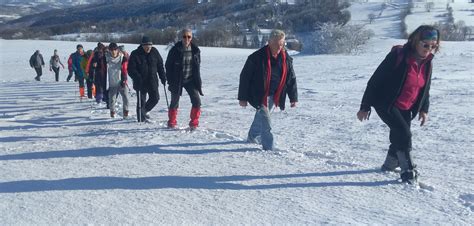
{"x": 63, "y": 161}
{"x": 66, "y": 162}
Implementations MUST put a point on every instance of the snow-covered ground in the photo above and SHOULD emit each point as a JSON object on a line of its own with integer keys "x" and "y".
{"x": 63, "y": 161}
{"x": 461, "y": 12}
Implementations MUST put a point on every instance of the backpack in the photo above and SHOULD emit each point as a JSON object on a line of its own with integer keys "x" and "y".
{"x": 400, "y": 54}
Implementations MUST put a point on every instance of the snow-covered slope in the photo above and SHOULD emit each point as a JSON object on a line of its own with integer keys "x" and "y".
{"x": 63, "y": 161}
{"x": 66, "y": 162}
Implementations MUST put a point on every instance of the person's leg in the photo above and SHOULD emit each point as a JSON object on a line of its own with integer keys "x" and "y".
{"x": 89, "y": 88}
{"x": 113, "y": 99}
{"x": 153, "y": 98}
{"x": 266, "y": 128}
{"x": 141, "y": 101}
{"x": 69, "y": 76}
{"x": 173, "y": 110}
{"x": 81, "y": 86}
{"x": 56, "y": 73}
{"x": 255, "y": 130}
{"x": 38, "y": 73}
{"x": 196, "y": 104}
{"x": 399, "y": 122}
{"x": 105, "y": 91}
{"x": 98, "y": 90}
{"x": 124, "y": 94}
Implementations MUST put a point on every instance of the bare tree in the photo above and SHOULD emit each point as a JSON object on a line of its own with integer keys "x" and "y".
{"x": 371, "y": 17}
{"x": 429, "y": 6}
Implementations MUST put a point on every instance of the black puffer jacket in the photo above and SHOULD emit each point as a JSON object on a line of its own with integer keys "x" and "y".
{"x": 253, "y": 77}
{"x": 386, "y": 83}
{"x": 143, "y": 68}
{"x": 174, "y": 68}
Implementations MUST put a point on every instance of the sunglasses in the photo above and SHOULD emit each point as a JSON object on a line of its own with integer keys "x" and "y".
{"x": 428, "y": 46}
{"x": 187, "y": 36}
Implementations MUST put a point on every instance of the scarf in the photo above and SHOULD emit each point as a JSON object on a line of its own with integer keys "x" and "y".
{"x": 276, "y": 97}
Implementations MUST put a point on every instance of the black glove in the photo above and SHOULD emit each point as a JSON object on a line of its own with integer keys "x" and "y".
{"x": 137, "y": 84}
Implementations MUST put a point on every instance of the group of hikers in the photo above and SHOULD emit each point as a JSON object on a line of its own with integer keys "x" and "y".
{"x": 398, "y": 90}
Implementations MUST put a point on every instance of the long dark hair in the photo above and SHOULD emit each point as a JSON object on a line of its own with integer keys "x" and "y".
{"x": 415, "y": 37}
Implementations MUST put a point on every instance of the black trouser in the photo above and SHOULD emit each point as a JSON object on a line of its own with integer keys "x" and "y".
{"x": 70, "y": 76}
{"x": 193, "y": 95}
{"x": 101, "y": 87}
{"x": 89, "y": 84}
{"x": 56, "y": 73}
{"x": 80, "y": 80}
{"x": 39, "y": 71}
{"x": 399, "y": 122}
{"x": 144, "y": 105}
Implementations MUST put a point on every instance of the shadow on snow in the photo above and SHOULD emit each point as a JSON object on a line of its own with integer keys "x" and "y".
{"x": 184, "y": 182}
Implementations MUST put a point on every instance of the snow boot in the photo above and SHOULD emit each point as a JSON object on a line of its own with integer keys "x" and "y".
{"x": 172, "y": 115}
{"x": 125, "y": 114}
{"x": 81, "y": 92}
{"x": 98, "y": 97}
{"x": 195, "y": 114}
{"x": 93, "y": 91}
{"x": 408, "y": 172}
{"x": 37, "y": 78}
{"x": 112, "y": 114}
{"x": 391, "y": 161}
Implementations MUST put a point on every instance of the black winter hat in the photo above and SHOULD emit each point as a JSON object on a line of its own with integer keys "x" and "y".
{"x": 146, "y": 40}
{"x": 79, "y": 46}
{"x": 100, "y": 45}
{"x": 113, "y": 46}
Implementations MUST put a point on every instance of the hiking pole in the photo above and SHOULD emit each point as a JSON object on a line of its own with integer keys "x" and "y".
{"x": 166, "y": 96}
{"x": 139, "y": 107}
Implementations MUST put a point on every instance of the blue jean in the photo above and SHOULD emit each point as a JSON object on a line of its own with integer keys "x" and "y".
{"x": 262, "y": 126}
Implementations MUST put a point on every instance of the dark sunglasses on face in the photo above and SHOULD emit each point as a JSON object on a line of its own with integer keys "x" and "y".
{"x": 187, "y": 36}
{"x": 428, "y": 46}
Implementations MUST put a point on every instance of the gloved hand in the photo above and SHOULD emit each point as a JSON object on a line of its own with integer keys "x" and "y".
{"x": 123, "y": 83}
{"x": 137, "y": 84}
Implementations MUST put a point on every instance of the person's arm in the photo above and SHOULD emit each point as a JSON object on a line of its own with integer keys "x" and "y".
{"x": 32, "y": 60}
{"x": 169, "y": 65}
{"x": 372, "y": 85}
{"x": 244, "y": 83}
{"x": 51, "y": 61}
{"x": 161, "y": 70}
{"x": 69, "y": 63}
{"x": 292, "y": 89}
{"x": 61, "y": 62}
{"x": 124, "y": 70}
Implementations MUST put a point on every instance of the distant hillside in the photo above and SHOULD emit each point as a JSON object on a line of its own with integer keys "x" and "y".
{"x": 14, "y": 9}
{"x": 220, "y": 18}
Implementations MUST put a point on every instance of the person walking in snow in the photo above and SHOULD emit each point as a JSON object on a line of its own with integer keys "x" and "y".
{"x": 97, "y": 70}
{"x": 399, "y": 90}
{"x": 54, "y": 63}
{"x": 37, "y": 63}
{"x": 183, "y": 71}
{"x": 117, "y": 78}
{"x": 69, "y": 67}
{"x": 143, "y": 66}
{"x": 265, "y": 81}
{"x": 78, "y": 64}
